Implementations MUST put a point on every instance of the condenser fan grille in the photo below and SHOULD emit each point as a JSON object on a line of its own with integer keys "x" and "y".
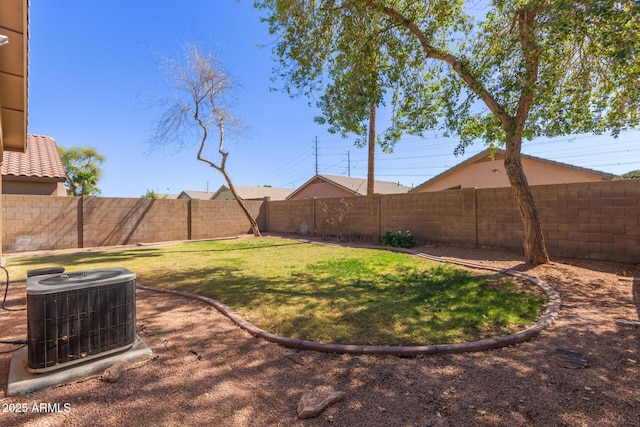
{"x": 67, "y": 326}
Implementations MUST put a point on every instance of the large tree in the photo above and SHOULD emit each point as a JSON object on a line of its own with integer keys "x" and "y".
{"x": 83, "y": 166}
{"x": 523, "y": 69}
{"x": 201, "y": 107}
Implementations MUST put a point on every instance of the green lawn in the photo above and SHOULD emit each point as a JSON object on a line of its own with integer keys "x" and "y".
{"x": 323, "y": 293}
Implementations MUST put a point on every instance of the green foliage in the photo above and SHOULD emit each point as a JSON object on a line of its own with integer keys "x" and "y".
{"x": 398, "y": 239}
{"x": 635, "y": 174}
{"x": 562, "y": 66}
{"x": 83, "y": 168}
{"x": 151, "y": 194}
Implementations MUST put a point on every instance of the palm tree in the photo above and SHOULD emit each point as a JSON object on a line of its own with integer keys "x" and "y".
{"x": 83, "y": 167}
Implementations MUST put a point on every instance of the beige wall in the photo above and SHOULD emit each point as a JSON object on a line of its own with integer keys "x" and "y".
{"x": 39, "y": 222}
{"x": 321, "y": 189}
{"x": 492, "y": 174}
{"x": 45, "y": 222}
{"x": 224, "y": 195}
{"x": 40, "y": 188}
{"x": 224, "y": 218}
{"x": 598, "y": 220}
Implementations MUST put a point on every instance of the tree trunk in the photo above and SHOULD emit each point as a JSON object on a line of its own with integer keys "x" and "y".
{"x": 535, "y": 251}
{"x": 372, "y": 151}
{"x": 252, "y": 221}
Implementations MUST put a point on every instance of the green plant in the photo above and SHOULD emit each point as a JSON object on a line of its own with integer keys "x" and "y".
{"x": 398, "y": 239}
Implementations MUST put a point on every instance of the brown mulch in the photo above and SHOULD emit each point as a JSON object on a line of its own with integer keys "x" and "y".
{"x": 209, "y": 372}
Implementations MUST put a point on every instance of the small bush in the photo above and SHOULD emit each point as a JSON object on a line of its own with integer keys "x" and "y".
{"x": 398, "y": 239}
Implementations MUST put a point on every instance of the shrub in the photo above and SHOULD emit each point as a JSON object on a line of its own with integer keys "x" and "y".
{"x": 398, "y": 239}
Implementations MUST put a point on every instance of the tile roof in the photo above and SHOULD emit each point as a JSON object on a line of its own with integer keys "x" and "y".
{"x": 40, "y": 160}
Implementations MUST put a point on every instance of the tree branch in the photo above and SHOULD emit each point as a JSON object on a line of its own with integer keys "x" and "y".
{"x": 526, "y": 20}
{"x": 455, "y": 62}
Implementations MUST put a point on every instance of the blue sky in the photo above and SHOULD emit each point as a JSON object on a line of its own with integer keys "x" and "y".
{"x": 93, "y": 76}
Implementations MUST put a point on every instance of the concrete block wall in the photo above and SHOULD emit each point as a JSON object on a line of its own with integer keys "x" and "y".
{"x": 353, "y": 218}
{"x": 46, "y": 222}
{"x": 39, "y": 222}
{"x": 223, "y": 218}
{"x": 292, "y": 216}
{"x": 123, "y": 221}
{"x": 446, "y": 217}
{"x": 599, "y": 220}
{"x": 498, "y": 221}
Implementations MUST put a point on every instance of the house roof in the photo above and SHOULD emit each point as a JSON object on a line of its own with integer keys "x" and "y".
{"x": 195, "y": 195}
{"x": 41, "y": 160}
{"x": 248, "y": 192}
{"x": 485, "y": 155}
{"x": 357, "y": 186}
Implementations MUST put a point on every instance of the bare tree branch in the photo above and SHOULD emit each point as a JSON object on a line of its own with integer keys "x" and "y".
{"x": 207, "y": 91}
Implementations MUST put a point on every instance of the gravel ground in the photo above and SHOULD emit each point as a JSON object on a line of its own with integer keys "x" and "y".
{"x": 207, "y": 371}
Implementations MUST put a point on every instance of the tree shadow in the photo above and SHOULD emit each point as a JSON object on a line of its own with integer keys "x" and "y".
{"x": 210, "y": 372}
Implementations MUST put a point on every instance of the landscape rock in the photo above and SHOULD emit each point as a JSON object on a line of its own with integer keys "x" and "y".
{"x": 568, "y": 359}
{"x": 313, "y": 403}
{"x": 114, "y": 372}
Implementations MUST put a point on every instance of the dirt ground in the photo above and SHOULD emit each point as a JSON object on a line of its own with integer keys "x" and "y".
{"x": 208, "y": 372}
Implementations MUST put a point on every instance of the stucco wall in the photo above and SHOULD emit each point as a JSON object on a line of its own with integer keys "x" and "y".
{"x": 492, "y": 174}
{"x": 33, "y": 187}
{"x": 321, "y": 189}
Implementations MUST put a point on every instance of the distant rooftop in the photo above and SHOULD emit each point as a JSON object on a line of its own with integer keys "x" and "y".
{"x": 358, "y": 186}
{"x": 248, "y": 192}
{"x": 195, "y": 195}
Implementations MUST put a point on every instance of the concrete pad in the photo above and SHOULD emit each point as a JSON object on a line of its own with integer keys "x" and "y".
{"x": 22, "y": 381}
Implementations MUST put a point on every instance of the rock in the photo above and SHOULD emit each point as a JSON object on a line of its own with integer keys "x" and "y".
{"x": 568, "y": 359}
{"x": 114, "y": 372}
{"x": 313, "y": 403}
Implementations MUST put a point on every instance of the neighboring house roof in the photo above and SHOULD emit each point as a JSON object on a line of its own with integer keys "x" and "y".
{"x": 41, "y": 161}
{"x": 195, "y": 195}
{"x": 356, "y": 186}
{"x": 485, "y": 156}
{"x": 248, "y": 192}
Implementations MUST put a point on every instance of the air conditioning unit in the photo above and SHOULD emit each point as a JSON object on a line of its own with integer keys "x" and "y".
{"x": 77, "y": 316}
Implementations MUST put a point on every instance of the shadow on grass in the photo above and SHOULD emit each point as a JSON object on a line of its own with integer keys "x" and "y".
{"x": 88, "y": 260}
{"x": 374, "y": 298}
{"x": 441, "y": 305}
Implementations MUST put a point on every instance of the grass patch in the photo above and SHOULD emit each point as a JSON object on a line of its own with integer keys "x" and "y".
{"x": 322, "y": 293}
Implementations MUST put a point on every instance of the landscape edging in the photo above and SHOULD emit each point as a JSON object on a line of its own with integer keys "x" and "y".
{"x": 553, "y": 308}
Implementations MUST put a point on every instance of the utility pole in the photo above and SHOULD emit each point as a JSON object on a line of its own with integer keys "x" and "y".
{"x": 316, "y": 155}
{"x": 349, "y": 163}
